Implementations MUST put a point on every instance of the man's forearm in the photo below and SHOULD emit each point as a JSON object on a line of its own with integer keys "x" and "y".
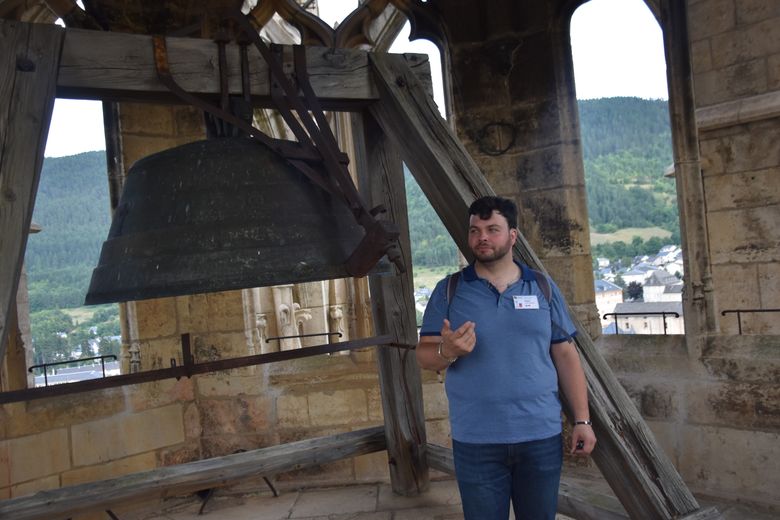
{"x": 572, "y": 379}
{"x": 428, "y": 356}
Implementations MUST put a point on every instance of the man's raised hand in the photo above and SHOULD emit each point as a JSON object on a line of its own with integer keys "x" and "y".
{"x": 460, "y": 341}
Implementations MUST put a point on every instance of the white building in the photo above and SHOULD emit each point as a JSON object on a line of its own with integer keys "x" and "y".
{"x": 648, "y": 318}
{"x": 655, "y": 286}
{"x": 607, "y": 296}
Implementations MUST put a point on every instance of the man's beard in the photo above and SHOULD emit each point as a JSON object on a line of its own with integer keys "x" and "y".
{"x": 497, "y": 253}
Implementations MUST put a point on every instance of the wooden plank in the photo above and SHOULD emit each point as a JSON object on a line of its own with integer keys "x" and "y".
{"x": 120, "y": 67}
{"x": 628, "y": 455}
{"x": 28, "y": 71}
{"x": 440, "y": 459}
{"x": 573, "y": 500}
{"x": 192, "y": 476}
{"x": 381, "y": 181}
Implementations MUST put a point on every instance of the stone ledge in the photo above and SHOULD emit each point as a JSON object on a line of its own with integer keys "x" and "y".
{"x": 746, "y": 110}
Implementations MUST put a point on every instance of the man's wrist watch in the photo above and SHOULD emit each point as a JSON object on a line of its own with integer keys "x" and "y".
{"x": 441, "y": 354}
{"x": 586, "y": 422}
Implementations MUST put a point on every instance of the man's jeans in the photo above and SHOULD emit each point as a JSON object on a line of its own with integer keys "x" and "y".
{"x": 527, "y": 472}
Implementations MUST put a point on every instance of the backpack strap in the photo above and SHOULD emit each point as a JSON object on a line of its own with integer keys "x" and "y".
{"x": 544, "y": 285}
{"x": 452, "y": 285}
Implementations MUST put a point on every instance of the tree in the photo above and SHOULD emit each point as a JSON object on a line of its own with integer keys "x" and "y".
{"x": 50, "y": 331}
{"x": 635, "y": 292}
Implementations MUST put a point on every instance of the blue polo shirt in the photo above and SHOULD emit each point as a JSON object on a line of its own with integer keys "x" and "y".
{"x": 506, "y": 389}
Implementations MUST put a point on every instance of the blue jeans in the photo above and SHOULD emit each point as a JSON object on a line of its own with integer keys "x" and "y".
{"x": 528, "y": 473}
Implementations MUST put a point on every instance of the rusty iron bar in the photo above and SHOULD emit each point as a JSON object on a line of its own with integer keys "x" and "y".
{"x": 189, "y": 368}
{"x": 381, "y": 236}
{"x": 287, "y": 149}
{"x": 739, "y": 312}
{"x": 663, "y": 314}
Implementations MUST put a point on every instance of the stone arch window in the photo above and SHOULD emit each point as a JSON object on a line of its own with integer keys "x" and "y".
{"x": 626, "y": 139}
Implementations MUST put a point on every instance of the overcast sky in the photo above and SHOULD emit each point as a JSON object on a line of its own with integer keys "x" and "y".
{"x": 617, "y": 48}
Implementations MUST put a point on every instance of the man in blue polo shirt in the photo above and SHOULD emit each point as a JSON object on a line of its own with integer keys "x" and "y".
{"x": 507, "y": 348}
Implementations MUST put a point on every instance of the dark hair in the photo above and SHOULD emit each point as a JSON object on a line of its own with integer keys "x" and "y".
{"x": 485, "y": 206}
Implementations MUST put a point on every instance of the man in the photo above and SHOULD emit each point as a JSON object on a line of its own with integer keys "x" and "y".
{"x": 506, "y": 349}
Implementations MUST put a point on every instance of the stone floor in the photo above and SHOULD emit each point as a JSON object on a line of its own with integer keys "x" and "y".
{"x": 359, "y": 502}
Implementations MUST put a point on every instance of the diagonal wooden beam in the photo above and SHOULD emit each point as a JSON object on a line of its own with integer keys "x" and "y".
{"x": 634, "y": 465}
{"x": 28, "y": 74}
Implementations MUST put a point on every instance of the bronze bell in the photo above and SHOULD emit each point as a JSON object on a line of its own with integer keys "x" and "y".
{"x": 216, "y": 215}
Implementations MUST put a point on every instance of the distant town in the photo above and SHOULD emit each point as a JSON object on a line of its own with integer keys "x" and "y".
{"x": 644, "y": 297}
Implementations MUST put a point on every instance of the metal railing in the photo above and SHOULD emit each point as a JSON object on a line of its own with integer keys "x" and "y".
{"x": 45, "y": 366}
{"x": 739, "y": 312}
{"x": 663, "y": 315}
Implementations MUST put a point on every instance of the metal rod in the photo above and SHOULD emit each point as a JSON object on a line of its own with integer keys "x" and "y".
{"x": 69, "y": 361}
{"x": 185, "y": 371}
{"x": 739, "y": 312}
{"x": 663, "y": 315}
{"x": 339, "y": 334}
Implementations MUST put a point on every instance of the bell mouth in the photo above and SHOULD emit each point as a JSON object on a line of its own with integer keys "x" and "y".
{"x": 217, "y": 215}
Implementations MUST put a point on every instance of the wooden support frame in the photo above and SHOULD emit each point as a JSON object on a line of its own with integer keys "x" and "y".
{"x": 28, "y": 73}
{"x": 115, "y": 66}
{"x": 381, "y": 181}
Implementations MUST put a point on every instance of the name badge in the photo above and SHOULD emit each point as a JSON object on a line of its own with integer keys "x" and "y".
{"x": 526, "y": 302}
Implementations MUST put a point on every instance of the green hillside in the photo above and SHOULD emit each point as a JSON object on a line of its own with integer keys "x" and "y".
{"x": 73, "y": 210}
{"x": 627, "y": 144}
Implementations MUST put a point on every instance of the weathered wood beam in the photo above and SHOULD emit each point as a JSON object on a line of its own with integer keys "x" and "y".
{"x": 120, "y": 67}
{"x": 168, "y": 481}
{"x": 28, "y": 72}
{"x": 381, "y": 181}
{"x": 628, "y": 455}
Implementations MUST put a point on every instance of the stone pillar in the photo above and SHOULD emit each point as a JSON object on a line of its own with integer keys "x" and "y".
{"x": 284, "y": 311}
{"x": 515, "y": 110}
{"x": 340, "y": 313}
{"x": 313, "y": 299}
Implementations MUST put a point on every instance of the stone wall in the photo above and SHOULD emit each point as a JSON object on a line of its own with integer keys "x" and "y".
{"x": 715, "y": 414}
{"x": 736, "y": 70}
{"x": 47, "y": 444}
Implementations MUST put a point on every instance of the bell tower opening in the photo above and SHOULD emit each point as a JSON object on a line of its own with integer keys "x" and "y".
{"x": 620, "y": 76}
{"x": 71, "y": 214}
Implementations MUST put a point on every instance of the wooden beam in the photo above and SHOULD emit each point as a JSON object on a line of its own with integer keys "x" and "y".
{"x": 628, "y": 455}
{"x": 192, "y": 476}
{"x": 381, "y": 181}
{"x": 28, "y": 72}
{"x": 120, "y": 67}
